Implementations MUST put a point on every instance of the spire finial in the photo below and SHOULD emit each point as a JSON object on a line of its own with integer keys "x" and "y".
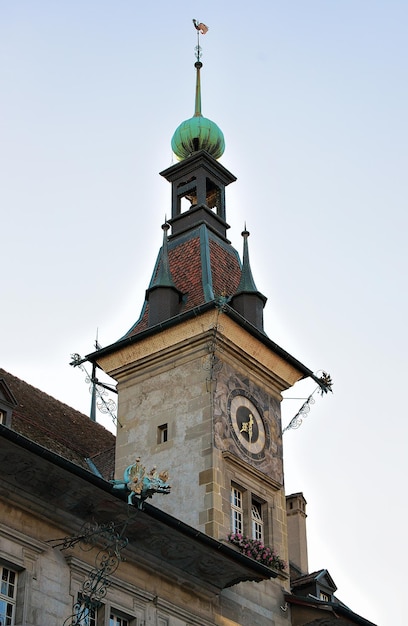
{"x": 201, "y": 29}
{"x": 198, "y": 132}
{"x": 197, "y": 107}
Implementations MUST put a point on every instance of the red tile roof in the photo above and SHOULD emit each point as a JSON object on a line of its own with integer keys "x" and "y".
{"x": 186, "y": 269}
{"x": 226, "y": 269}
{"x": 58, "y": 427}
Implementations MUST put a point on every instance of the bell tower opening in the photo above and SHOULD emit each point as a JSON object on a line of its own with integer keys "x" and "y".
{"x": 201, "y": 190}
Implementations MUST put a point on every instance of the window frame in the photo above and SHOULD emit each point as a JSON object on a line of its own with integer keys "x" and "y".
{"x": 163, "y": 433}
{"x": 117, "y": 615}
{"x": 324, "y": 596}
{"x": 257, "y": 522}
{"x": 237, "y": 510}
{"x": 86, "y": 620}
{"x": 245, "y": 512}
{"x": 9, "y": 601}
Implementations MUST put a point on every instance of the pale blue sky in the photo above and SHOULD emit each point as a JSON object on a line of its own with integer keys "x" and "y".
{"x": 312, "y": 98}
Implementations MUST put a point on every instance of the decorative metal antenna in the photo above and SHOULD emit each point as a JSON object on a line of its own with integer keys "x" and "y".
{"x": 97, "y": 389}
{"x": 325, "y": 386}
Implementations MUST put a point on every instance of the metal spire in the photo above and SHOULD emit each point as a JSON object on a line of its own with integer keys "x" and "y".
{"x": 247, "y": 283}
{"x": 164, "y": 277}
{"x": 201, "y": 29}
{"x": 197, "y": 109}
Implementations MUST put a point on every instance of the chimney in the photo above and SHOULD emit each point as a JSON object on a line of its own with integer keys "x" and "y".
{"x": 296, "y": 521}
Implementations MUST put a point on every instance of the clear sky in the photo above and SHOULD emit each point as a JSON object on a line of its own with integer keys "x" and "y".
{"x": 312, "y": 97}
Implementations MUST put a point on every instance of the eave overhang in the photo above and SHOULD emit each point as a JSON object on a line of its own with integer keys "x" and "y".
{"x": 188, "y": 166}
{"x": 305, "y": 372}
{"x": 53, "y": 487}
{"x": 335, "y": 608}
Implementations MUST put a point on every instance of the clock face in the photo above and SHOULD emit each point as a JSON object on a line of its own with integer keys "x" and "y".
{"x": 248, "y": 428}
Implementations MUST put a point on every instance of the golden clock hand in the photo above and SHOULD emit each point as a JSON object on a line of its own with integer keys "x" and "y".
{"x": 251, "y": 421}
{"x": 247, "y": 427}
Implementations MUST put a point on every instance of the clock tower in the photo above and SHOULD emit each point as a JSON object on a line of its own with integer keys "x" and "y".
{"x": 199, "y": 381}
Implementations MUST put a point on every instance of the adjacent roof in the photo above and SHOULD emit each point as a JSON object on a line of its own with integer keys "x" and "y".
{"x": 320, "y": 576}
{"x": 58, "y": 427}
{"x": 333, "y": 613}
{"x": 329, "y": 621}
{"x": 305, "y": 598}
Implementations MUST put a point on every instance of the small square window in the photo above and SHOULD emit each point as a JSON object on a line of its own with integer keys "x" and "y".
{"x": 162, "y": 433}
{"x": 324, "y": 596}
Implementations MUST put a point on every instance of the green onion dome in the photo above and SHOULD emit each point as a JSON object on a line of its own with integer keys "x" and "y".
{"x": 198, "y": 132}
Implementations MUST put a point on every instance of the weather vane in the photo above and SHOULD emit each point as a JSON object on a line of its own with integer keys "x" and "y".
{"x": 201, "y": 29}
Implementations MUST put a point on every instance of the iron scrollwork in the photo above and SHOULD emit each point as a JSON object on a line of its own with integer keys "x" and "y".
{"x": 111, "y": 540}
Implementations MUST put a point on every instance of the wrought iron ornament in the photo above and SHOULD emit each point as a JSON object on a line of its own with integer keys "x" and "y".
{"x": 304, "y": 410}
{"x": 111, "y": 540}
{"x": 98, "y": 390}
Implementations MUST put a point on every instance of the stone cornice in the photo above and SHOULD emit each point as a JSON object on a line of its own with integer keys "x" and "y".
{"x": 23, "y": 540}
{"x": 183, "y": 341}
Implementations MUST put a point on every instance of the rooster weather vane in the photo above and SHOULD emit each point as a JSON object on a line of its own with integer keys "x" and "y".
{"x": 201, "y": 29}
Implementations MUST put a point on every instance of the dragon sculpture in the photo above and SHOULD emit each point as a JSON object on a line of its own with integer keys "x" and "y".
{"x": 142, "y": 484}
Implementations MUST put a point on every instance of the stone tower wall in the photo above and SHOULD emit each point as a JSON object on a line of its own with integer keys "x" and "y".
{"x": 174, "y": 393}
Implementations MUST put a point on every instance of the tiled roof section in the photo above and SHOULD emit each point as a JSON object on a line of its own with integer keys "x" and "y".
{"x": 105, "y": 462}
{"x": 307, "y": 578}
{"x": 202, "y": 268}
{"x": 56, "y": 426}
{"x": 142, "y": 323}
{"x": 226, "y": 269}
{"x": 186, "y": 270}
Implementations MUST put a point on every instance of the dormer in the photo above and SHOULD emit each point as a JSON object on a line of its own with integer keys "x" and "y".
{"x": 317, "y": 586}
